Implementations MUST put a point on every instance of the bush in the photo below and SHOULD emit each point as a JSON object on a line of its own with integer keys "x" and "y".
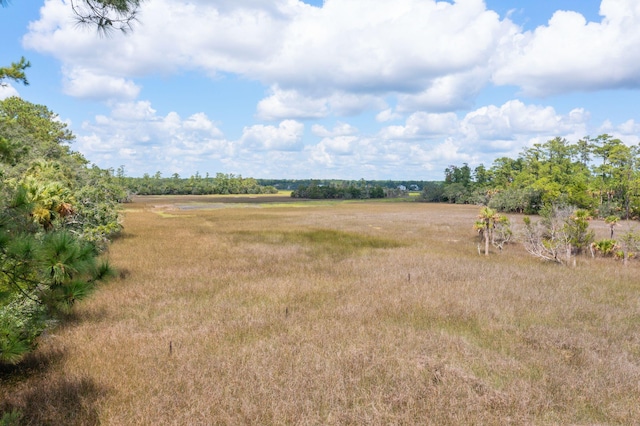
{"x": 510, "y": 200}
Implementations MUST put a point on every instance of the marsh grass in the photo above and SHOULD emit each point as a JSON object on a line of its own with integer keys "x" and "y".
{"x": 320, "y": 242}
{"x": 351, "y": 313}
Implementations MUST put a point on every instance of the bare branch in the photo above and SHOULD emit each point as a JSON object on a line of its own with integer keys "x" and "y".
{"x": 106, "y": 15}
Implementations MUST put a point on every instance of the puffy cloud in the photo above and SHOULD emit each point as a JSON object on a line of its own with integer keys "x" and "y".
{"x": 627, "y": 131}
{"x": 291, "y": 104}
{"x": 345, "y": 104}
{"x": 7, "y": 91}
{"x": 133, "y": 112}
{"x": 423, "y": 125}
{"x": 295, "y": 104}
{"x": 339, "y": 145}
{"x": 486, "y": 132}
{"x": 84, "y": 83}
{"x": 379, "y": 158}
{"x": 341, "y": 57}
{"x": 629, "y": 127}
{"x": 380, "y": 46}
{"x": 421, "y": 61}
{"x": 433, "y": 55}
{"x": 446, "y": 93}
{"x": 570, "y": 54}
{"x": 175, "y": 35}
{"x": 515, "y": 118}
{"x": 286, "y": 137}
{"x": 387, "y": 115}
{"x": 341, "y": 129}
{"x": 136, "y": 134}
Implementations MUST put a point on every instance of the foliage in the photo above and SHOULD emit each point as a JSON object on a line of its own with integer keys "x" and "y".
{"x": 547, "y": 238}
{"x": 15, "y": 72}
{"x": 493, "y": 228}
{"x": 525, "y": 200}
{"x": 11, "y": 418}
{"x": 612, "y": 221}
{"x": 222, "y": 183}
{"x": 292, "y": 184}
{"x": 432, "y": 192}
{"x": 577, "y": 228}
{"x": 606, "y": 247}
{"x": 104, "y": 15}
{"x": 561, "y": 233}
{"x": 55, "y": 215}
{"x": 347, "y": 191}
{"x": 629, "y": 243}
{"x": 601, "y": 175}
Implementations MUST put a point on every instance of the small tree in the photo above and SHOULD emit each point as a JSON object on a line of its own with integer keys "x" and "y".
{"x": 612, "y": 221}
{"x": 629, "y": 244}
{"x": 577, "y": 227}
{"x": 558, "y": 234}
{"x": 493, "y": 228}
{"x": 502, "y": 232}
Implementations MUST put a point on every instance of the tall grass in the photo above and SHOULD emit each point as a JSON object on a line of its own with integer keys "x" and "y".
{"x": 353, "y": 313}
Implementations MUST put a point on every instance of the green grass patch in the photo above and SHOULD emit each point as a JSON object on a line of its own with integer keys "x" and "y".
{"x": 171, "y": 215}
{"x": 455, "y": 323}
{"x": 321, "y": 241}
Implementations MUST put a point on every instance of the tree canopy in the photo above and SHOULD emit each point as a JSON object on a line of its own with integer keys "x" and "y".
{"x": 601, "y": 175}
{"x": 15, "y": 72}
{"x": 56, "y": 214}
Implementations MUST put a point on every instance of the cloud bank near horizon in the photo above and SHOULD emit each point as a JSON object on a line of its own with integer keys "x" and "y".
{"x": 416, "y": 67}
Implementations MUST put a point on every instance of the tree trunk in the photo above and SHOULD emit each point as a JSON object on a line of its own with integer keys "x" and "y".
{"x": 486, "y": 241}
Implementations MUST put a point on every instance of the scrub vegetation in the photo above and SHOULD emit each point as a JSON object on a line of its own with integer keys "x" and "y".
{"x": 56, "y": 217}
{"x": 600, "y": 175}
{"x": 342, "y": 313}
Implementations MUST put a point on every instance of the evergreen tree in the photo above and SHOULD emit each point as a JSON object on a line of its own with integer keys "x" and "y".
{"x": 55, "y": 214}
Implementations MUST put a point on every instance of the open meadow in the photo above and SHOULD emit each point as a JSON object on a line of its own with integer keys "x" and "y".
{"x": 330, "y": 313}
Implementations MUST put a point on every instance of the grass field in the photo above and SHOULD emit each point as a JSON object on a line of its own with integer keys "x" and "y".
{"x": 335, "y": 313}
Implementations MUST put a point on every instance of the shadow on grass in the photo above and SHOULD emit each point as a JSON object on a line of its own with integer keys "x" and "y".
{"x": 61, "y": 401}
{"x": 34, "y": 364}
{"x": 36, "y": 392}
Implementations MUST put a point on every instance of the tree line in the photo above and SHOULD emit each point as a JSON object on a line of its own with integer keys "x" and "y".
{"x": 566, "y": 185}
{"x": 221, "y": 183}
{"x": 600, "y": 175}
{"x": 350, "y": 190}
{"x": 292, "y": 184}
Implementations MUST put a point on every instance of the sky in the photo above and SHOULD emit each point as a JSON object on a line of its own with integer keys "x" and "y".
{"x": 333, "y": 89}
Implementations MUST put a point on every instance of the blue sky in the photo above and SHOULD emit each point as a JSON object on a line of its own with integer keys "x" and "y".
{"x": 344, "y": 89}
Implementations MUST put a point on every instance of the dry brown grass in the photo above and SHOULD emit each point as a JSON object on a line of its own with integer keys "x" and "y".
{"x": 348, "y": 313}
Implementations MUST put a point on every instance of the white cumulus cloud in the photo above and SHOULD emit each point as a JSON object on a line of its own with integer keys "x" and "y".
{"x": 571, "y": 54}
{"x": 7, "y": 91}
{"x": 147, "y": 141}
{"x": 287, "y": 136}
{"x": 86, "y": 84}
{"x": 339, "y": 58}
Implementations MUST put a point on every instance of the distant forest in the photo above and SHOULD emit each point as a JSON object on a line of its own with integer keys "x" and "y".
{"x": 223, "y": 184}
{"x": 601, "y": 175}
